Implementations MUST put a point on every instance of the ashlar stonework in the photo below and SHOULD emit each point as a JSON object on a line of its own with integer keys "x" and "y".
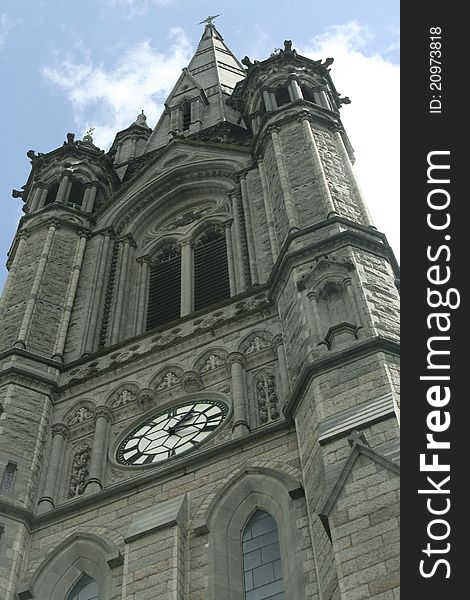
{"x": 199, "y": 354}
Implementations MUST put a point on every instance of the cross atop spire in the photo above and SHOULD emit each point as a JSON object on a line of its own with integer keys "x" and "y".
{"x": 209, "y": 20}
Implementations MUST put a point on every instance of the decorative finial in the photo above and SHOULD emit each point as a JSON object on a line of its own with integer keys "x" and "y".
{"x": 141, "y": 119}
{"x": 275, "y": 51}
{"x": 209, "y": 20}
{"x": 88, "y": 137}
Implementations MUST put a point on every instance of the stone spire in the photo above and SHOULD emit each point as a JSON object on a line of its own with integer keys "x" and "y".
{"x": 205, "y": 85}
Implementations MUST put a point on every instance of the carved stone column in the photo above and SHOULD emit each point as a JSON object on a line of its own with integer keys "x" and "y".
{"x": 103, "y": 418}
{"x": 70, "y": 296}
{"x": 269, "y": 211}
{"x": 236, "y": 363}
{"x": 60, "y": 433}
{"x": 230, "y": 260}
{"x": 187, "y": 278}
{"x": 39, "y": 196}
{"x": 269, "y": 101}
{"x": 284, "y": 180}
{"x": 126, "y": 243}
{"x": 143, "y": 291}
{"x": 31, "y": 303}
{"x": 89, "y": 196}
{"x": 294, "y": 89}
{"x": 237, "y": 243}
{"x": 97, "y": 291}
{"x": 249, "y": 230}
{"x": 278, "y": 347}
{"x": 22, "y": 237}
{"x": 64, "y": 188}
{"x": 318, "y": 165}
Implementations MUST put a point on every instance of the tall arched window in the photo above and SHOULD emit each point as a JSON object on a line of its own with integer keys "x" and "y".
{"x": 84, "y": 589}
{"x": 282, "y": 96}
{"x": 165, "y": 287}
{"x": 186, "y": 115}
{"x": 76, "y": 194}
{"x": 52, "y": 193}
{"x": 211, "y": 276}
{"x": 262, "y": 567}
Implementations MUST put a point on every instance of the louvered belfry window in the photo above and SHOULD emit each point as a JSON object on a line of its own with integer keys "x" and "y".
{"x": 165, "y": 287}
{"x": 211, "y": 277}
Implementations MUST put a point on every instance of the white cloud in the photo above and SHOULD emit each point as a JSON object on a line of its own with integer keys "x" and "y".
{"x": 137, "y": 7}
{"x": 109, "y": 100}
{"x": 5, "y": 26}
{"x": 371, "y": 120}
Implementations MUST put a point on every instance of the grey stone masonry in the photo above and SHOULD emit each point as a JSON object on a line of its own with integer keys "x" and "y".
{"x": 136, "y": 454}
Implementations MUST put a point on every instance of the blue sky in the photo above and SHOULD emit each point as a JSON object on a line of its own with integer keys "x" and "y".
{"x": 67, "y": 65}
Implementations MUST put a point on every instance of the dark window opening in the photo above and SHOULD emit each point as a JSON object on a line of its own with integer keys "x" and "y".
{"x": 186, "y": 114}
{"x": 165, "y": 288}
{"x": 76, "y": 194}
{"x": 282, "y": 96}
{"x": 262, "y": 106}
{"x": 307, "y": 94}
{"x": 211, "y": 277}
{"x": 52, "y": 193}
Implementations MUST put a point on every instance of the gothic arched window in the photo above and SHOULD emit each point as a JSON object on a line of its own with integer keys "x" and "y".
{"x": 84, "y": 589}
{"x": 186, "y": 115}
{"x": 282, "y": 96}
{"x": 77, "y": 192}
{"x": 211, "y": 275}
{"x": 262, "y": 569}
{"x": 165, "y": 287}
{"x": 52, "y": 193}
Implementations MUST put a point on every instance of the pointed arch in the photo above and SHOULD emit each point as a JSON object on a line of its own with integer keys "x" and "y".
{"x": 80, "y": 553}
{"x": 248, "y": 490}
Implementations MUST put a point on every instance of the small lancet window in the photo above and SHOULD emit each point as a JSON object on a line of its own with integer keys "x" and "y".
{"x": 282, "y": 96}
{"x": 52, "y": 193}
{"x": 211, "y": 276}
{"x": 76, "y": 194}
{"x": 186, "y": 115}
{"x": 164, "y": 303}
{"x": 84, "y": 589}
{"x": 262, "y": 569}
{"x": 307, "y": 94}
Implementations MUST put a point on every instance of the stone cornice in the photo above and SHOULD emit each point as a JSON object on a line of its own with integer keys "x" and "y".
{"x": 332, "y": 361}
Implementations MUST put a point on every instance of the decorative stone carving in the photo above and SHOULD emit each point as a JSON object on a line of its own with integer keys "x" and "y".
{"x": 168, "y": 380}
{"x": 124, "y": 397}
{"x": 257, "y": 344}
{"x": 267, "y": 398}
{"x": 82, "y": 373}
{"x": 191, "y": 381}
{"x": 212, "y": 362}
{"x": 78, "y": 477}
{"x": 186, "y": 218}
{"x": 146, "y": 397}
{"x": 83, "y": 413}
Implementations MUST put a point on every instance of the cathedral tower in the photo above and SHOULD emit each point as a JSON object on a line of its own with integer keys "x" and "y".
{"x": 199, "y": 354}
